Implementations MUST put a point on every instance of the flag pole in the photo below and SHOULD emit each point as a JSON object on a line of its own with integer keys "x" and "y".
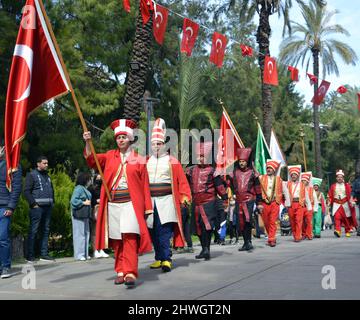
{"x": 302, "y": 135}
{"x": 82, "y": 120}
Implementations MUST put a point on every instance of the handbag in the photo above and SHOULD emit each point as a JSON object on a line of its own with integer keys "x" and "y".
{"x": 84, "y": 212}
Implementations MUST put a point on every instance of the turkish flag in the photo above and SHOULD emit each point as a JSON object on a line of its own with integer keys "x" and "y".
{"x": 358, "y": 94}
{"x": 312, "y": 78}
{"x": 218, "y": 47}
{"x": 228, "y": 143}
{"x": 159, "y": 23}
{"x": 190, "y": 33}
{"x": 320, "y": 93}
{"x": 341, "y": 90}
{"x": 246, "y": 50}
{"x": 270, "y": 71}
{"x": 126, "y": 4}
{"x": 145, "y": 7}
{"x": 294, "y": 73}
{"x": 36, "y": 76}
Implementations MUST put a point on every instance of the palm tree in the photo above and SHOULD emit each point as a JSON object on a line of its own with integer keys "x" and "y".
{"x": 138, "y": 71}
{"x": 314, "y": 44}
{"x": 190, "y": 108}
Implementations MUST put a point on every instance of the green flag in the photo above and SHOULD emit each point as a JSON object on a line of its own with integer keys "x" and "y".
{"x": 262, "y": 152}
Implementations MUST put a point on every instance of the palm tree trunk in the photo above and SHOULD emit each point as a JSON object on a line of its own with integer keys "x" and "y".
{"x": 317, "y": 141}
{"x": 137, "y": 78}
{"x": 263, "y": 39}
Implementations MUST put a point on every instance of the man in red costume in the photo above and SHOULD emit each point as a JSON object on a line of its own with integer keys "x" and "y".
{"x": 297, "y": 202}
{"x": 169, "y": 191}
{"x": 205, "y": 185}
{"x": 310, "y": 194}
{"x": 272, "y": 197}
{"x": 339, "y": 197}
{"x": 246, "y": 185}
{"x": 121, "y": 219}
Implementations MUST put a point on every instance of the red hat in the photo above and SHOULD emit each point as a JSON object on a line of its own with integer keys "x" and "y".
{"x": 294, "y": 170}
{"x": 273, "y": 164}
{"x": 340, "y": 172}
{"x": 124, "y": 126}
{"x": 204, "y": 148}
{"x": 306, "y": 176}
{"x": 243, "y": 153}
{"x": 159, "y": 131}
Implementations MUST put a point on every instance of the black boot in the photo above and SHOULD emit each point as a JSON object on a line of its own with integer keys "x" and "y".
{"x": 201, "y": 255}
{"x": 206, "y": 254}
{"x": 203, "y": 244}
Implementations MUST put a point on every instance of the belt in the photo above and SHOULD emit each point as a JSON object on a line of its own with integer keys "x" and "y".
{"x": 120, "y": 195}
{"x": 295, "y": 200}
{"x": 342, "y": 201}
{"x": 160, "y": 189}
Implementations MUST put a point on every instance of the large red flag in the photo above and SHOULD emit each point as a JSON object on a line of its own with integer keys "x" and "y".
{"x": 159, "y": 23}
{"x": 36, "y": 76}
{"x": 190, "y": 33}
{"x": 358, "y": 94}
{"x": 320, "y": 93}
{"x": 217, "y": 53}
{"x": 126, "y": 4}
{"x": 229, "y": 141}
{"x": 270, "y": 71}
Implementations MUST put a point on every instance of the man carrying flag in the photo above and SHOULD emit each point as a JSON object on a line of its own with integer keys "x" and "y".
{"x": 272, "y": 197}
{"x": 36, "y": 76}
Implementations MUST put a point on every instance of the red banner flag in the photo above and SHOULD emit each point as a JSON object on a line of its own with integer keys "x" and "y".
{"x": 246, "y": 51}
{"x": 160, "y": 20}
{"x": 228, "y": 143}
{"x": 217, "y": 53}
{"x": 321, "y": 93}
{"x": 146, "y": 6}
{"x": 190, "y": 33}
{"x": 270, "y": 71}
{"x": 36, "y": 76}
{"x": 126, "y": 4}
{"x": 358, "y": 94}
{"x": 341, "y": 90}
{"x": 294, "y": 73}
{"x": 312, "y": 78}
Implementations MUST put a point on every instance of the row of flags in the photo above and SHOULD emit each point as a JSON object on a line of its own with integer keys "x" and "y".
{"x": 219, "y": 41}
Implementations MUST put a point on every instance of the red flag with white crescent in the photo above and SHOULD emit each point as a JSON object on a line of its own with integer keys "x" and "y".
{"x": 228, "y": 143}
{"x": 146, "y": 6}
{"x": 246, "y": 50}
{"x": 36, "y": 76}
{"x": 312, "y": 78}
{"x": 358, "y": 94}
{"x": 270, "y": 71}
{"x": 217, "y": 53}
{"x": 160, "y": 20}
{"x": 341, "y": 90}
{"x": 320, "y": 93}
{"x": 190, "y": 33}
{"x": 294, "y": 73}
{"x": 126, "y": 4}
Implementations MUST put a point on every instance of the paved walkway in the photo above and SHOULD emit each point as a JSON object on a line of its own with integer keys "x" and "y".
{"x": 288, "y": 271}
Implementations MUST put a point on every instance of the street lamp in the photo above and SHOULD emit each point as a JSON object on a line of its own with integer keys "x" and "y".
{"x": 148, "y": 103}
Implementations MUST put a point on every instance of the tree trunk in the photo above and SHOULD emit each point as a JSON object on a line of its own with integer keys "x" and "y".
{"x": 137, "y": 78}
{"x": 317, "y": 141}
{"x": 357, "y": 163}
{"x": 263, "y": 39}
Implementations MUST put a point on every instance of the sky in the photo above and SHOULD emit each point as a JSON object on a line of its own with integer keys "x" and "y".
{"x": 349, "y": 18}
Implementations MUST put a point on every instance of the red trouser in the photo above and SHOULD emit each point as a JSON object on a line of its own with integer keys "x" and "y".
{"x": 269, "y": 215}
{"x": 340, "y": 217}
{"x": 307, "y": 227}
{"x": 296, "y": 213}
{"x": 126, "y": 254}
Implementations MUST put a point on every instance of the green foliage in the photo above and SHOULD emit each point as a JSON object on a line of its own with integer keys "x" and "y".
{"x": 20, "y": 219}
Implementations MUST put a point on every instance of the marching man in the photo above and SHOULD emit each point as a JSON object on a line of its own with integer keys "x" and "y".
{"x": 310, "y": 194}
{"x": 297, "y": 201}
{"x": 246, "y": 185}
{"x": 317, "y": 218}
{"x": 272, "y": 197}
{"x": 170, "y": 192}
{"x": 121, "y": 220}
{"x": 205, "y": 185}
{"x": 339, "y": 197}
